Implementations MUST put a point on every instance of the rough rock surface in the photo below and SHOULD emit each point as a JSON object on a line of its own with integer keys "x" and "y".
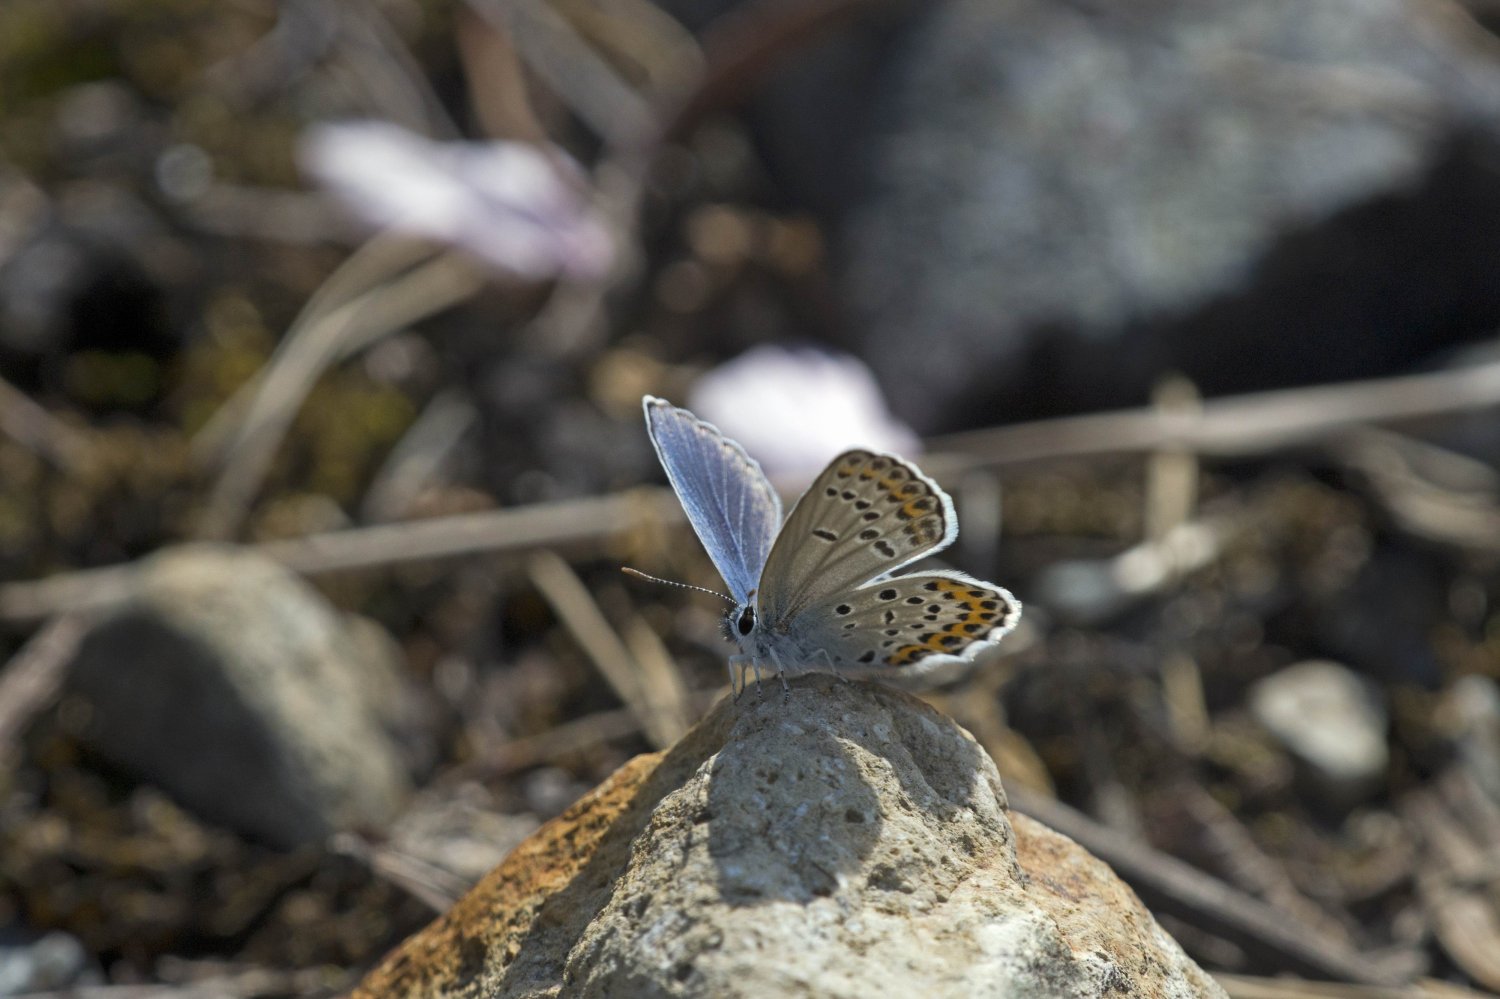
{"x": 233, "y": 685}
{"x": 853, "y": 842}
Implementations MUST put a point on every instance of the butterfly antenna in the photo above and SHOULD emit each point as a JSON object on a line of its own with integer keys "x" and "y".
{"x": 672, "y": 582}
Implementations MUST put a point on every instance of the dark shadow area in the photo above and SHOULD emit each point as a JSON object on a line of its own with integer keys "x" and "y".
{"x": 1374, "y": 290}
{"x": 1378, "y": 289}
{"x": 560, "y": 921}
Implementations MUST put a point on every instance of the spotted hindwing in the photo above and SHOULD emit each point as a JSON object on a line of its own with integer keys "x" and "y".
{"x": 866, "y": 515}
{"x": 909, "y": 622}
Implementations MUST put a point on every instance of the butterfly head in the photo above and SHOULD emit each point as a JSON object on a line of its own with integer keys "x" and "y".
{"x": 739, "y": 623}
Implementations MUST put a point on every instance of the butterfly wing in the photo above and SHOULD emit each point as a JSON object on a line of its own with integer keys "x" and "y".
{"x": 910, "y": 623}
{"x": 866, "y": 515}
{"x": 728, "y": 499}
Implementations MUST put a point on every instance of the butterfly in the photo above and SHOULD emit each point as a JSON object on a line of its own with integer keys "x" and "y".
{"x": 817, "y": 591}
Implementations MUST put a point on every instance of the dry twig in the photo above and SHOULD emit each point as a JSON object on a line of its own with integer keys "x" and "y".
{"x": 656, "y": 696}
{"x": 569, "y": 525}
{"x": 1236, "y": 425}
{"x": 39, "y": 431}
{"x": 33, "y": 677}
{"x": 1252, "y": 987}
{"x": 1170, "y": 886}
{"x": 1457, "y": 878}
{"x": 306, "y": 352}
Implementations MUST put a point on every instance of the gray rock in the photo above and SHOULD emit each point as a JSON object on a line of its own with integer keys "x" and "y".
{"x": 1474, "y": 703}
{"x": 232, "y": 684}
{"x": 851, "y": 842}
{"x": 1332, "y": 721}
{"x": 1059, "y": 201}
{"x": 53, "y": 961}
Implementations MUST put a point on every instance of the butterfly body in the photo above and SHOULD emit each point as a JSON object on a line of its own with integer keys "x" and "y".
{"x": 819, "y": 591}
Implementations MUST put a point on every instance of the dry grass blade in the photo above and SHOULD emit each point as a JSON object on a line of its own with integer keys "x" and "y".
{"x": 570, "y": 524}
{"x": 1185, "y": 704}
{"x": 418, "y": 456}
{"x": 393, "y": 77}
{"x": 309, "y": 350}
{"x": 434, "y": 887}
{"x": 571, "y": 68}
{"x": 1431, "y": 493}
{"x": 1456, "y": 881}
{"x": 1241, "y": 858}
{"x": 1172, "y": 472}
{"x": 661, "y": 678}
{"x": 570, "y": 737}
{"x": 1251, "y": 987}
{"x": 657, "y": 706}
{"x": 65, "y": 592}
{"x": 33, "y": 677}
{"x": 361, "y": 272}
{"x": 37, "y": 430}
{"x": 1168, "y": 885}
{"x": 1235, "y": 425}
{"x": 545, "y": 747}
{"x": 246, "y": 983}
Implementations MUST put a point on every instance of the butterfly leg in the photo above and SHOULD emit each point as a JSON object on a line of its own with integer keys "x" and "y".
{"x": 739, "y": 663}
{"x": 786, "y": 691}
{"x": 831, "y": 667}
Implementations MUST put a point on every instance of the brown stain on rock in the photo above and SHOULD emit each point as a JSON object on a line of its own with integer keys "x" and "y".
{"x": 1093, "y": 908}
{"x": 550, "y": 885}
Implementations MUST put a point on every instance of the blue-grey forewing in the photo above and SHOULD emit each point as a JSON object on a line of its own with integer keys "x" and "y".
{"x": 729, "y": 501}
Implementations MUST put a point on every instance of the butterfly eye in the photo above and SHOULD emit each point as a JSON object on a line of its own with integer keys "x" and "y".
{"x": 746, "y": 623}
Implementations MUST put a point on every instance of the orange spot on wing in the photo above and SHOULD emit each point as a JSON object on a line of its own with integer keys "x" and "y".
{"x": 973, "y": 613}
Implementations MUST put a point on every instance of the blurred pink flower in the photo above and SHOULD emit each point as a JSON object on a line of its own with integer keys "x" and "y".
{"x": 794, "y": 409}
{"x": 521, "y": 208}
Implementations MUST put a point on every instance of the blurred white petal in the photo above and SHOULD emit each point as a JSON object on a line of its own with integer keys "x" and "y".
{"x": 516, "y": 206}
{"x": 795, "y": 409}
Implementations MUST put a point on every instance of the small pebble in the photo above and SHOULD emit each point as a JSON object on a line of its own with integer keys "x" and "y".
{"x": 1331, "y": 720}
